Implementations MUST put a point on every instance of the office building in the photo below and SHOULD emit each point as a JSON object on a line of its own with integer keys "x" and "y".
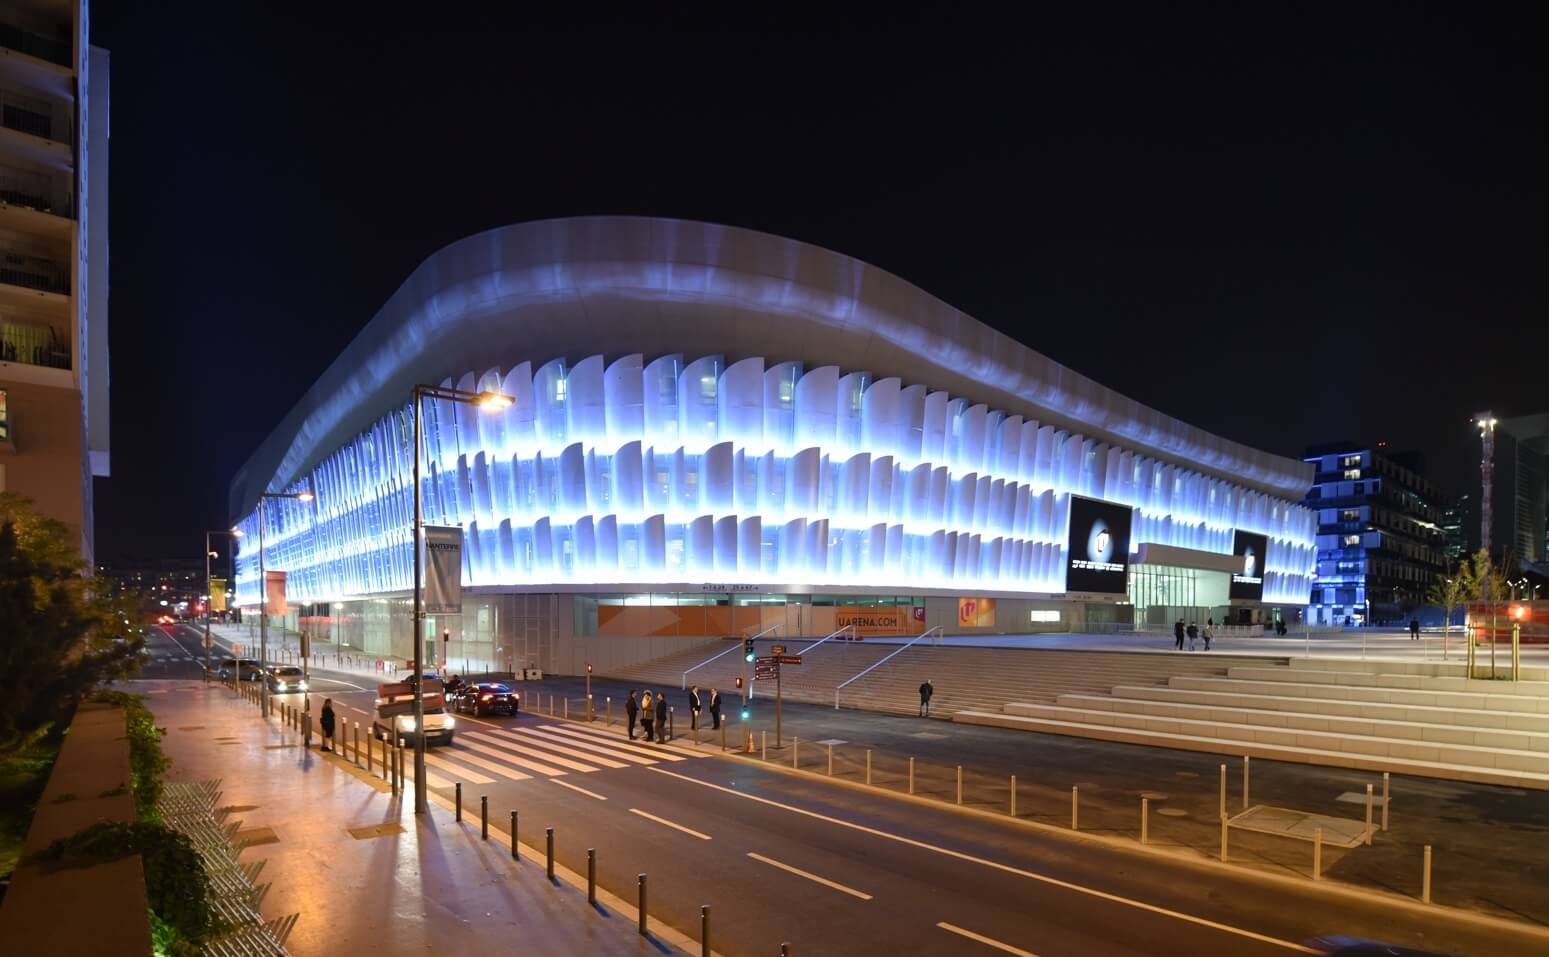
{"x": 53, "y": 260}
{"x": 1380, "y": 538}
{"x": 718, "y": 432}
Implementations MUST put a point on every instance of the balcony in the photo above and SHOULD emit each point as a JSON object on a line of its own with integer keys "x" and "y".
{"x": 55, "y": 50}
{"x": 33, "y": 344}
{"x": 24, "y": 269}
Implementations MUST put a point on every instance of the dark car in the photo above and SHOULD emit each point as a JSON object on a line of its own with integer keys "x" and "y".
{"x": 228, "y": 668}
{"x": 284, "y": 679}
{"x": 487, "y": 697}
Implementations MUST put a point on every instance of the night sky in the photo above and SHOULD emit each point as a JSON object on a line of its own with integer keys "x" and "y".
{"x": 1283, "y": 232}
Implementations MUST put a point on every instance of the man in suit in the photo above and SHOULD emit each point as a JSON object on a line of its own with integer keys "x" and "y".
{"x": 693, "y": 708}
{"x": 715, "y": 709}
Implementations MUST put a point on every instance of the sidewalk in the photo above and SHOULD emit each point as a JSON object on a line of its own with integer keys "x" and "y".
{"x": 393, "y": 887}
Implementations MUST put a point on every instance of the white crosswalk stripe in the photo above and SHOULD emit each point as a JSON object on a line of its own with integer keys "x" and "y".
{"x": 540, "y": 768}
{"x": 505, "y": 743}
{"x": 557, "y": 739}
{"x": 472, "y": 777}
{"x": 528, "y": 738}
{"x": 651, "y": 748}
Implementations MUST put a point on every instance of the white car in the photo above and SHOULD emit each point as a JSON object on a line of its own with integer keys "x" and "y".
{"x": 285, "y": 679}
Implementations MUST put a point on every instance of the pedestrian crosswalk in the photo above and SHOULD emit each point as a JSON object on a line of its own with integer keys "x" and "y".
{"x": 524, "y": 752}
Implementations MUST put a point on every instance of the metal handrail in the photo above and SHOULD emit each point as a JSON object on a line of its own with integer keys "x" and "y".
{"x": 927, "y": 633}
{"x": 736, "y": 647}
{"x": 832, "y": 634}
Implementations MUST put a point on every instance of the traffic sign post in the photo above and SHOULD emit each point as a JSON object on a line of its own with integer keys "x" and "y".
{"x": 768, "y": 666}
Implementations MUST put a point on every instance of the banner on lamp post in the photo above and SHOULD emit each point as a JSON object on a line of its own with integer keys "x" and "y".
{"x": 443, "y": 570}
{"x": 217, "y": 594}
{"x": 274, "y": 592}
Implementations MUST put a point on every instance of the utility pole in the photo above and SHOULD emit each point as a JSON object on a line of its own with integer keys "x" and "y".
{"x": 1486, "y": 422}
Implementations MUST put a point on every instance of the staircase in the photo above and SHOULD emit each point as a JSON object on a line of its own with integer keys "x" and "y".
{"x": 813, "y": 681}
{"x": 1426, "y": 719}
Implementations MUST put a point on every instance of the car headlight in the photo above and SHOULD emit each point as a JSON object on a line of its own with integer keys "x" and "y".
{"x": 302, "y": 685}
{"x": 282, "y": 686}
{"x": 451, "y": 722}
{"x": 406, "y": 722}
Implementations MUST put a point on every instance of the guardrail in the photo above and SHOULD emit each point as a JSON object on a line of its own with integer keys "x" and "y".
{"x": 869, "y": 669}
{"x": 722, "y": 654}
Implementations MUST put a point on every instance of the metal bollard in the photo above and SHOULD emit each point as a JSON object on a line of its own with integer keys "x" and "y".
{"x": 610, "y": 711}
{"x": 515, "y": 854}
{"x": 1425, "y": 877}
{"x": 1075, "y": 808}
{"x": 642, "y": 906}
{"x": 566, "y": 703}
{"x": 591, "y": 874}
{"x": 911, "y": 775}
{"x": 1247, "y": 761}
{"x": 830, "y": 760}
{"x": 763, "y": 745}
{"x": 370, "y": 751}
{"x": 704, "y": 930}
{"x": 1317, "y": 853}
{"x": 1013, "y": 795}
{"x": 1145, "y": 820}
{"x": 548, "y": 834}
{"x": 868, "y": 765}
{"x": 484, "y": 816}
{"x": 723, "y": 736}
{"x": 795, "y": 751}
{"x": 459, "y": 789}
{"x": 1384, "y": 800}
{"x": 1223, "y": 791}
{"x": 1368, "y": 815}
{"x": 785, "y": 950}
{"x": 1223, "y": 837}
{"x": 960, "y": 784}
{"x": 357, "y": 744}
{"x": 672, "y": 733}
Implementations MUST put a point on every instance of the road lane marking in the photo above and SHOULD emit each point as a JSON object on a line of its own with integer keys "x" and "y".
{"x": 996, "y": 865}
{"x": 540, "y": 734}
{"x": 654, "y": 747}
{"x": 464, "y": 747}
{"x": 811, "y": 877}
{"x": 491, "y": 741}
{"x": 358, "y": 711}
{"x": 662, "y": 820}
{"x": 472, "y": 777}
{"x": 990, "y": 941}
{"x": 544, "y": 746}
{"x": 574, "y": 787}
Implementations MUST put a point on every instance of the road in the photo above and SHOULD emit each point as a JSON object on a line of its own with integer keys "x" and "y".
{"x": 838, "y": 871}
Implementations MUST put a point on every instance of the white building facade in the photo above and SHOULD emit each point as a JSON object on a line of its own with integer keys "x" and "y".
{"x": 716, "y": 432}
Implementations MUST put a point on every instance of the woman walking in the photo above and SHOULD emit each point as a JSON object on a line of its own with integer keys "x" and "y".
{"x": 326, "y": 722}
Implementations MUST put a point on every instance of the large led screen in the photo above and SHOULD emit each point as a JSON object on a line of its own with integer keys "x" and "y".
{"x": 1098, "y": 546}
{"x": 1249, "y": 583}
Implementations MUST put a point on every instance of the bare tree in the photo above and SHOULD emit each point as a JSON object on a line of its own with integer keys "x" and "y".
{"x": 1451, "y": 593}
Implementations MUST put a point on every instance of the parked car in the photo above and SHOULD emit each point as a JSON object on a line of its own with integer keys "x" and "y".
{"x": 286, "y": 679}
{"x": 486, "y": 697}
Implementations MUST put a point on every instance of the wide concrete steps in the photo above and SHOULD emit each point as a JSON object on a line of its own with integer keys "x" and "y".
{"x": 1383, "y": 679}
{"x": 1483, "y": 700}
{"x": 1467, "y": 717}
{"x": 1454, "y": 668}
{"x": 1206, "y": 737}
{"x": 1432, "y": 732}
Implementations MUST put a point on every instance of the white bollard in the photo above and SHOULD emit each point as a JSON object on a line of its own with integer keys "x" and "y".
{"x": 1425, "y": 878}
{"x": 1223, "y": 791}
{"x": 1368, "y": 815}
{"x": 1223, "y": 837}
{"x": 1384, "y": 800}
{"x": 1317, "y": 854}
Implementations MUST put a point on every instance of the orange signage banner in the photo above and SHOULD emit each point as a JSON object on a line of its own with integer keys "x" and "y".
{"x": 976, "y": 612}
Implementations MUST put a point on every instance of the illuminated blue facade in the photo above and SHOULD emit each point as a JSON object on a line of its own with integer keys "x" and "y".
{"x": 696, "y": 403}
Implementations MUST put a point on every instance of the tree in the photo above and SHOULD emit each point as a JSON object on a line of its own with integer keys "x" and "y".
{"x": 1490, "y": 587}
{"x": 1450, "y": 594}
{"x": 60, "y": 634}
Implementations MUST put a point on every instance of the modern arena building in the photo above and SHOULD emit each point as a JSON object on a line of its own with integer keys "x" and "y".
{"x": 717, "y": 431}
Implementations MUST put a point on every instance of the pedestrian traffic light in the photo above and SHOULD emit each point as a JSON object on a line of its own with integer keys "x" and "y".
{"x": 746, "y": 713}
{"x": 588, "y": 667}
{"x": 739, "y": 682}
{"x": 748, "y": 652}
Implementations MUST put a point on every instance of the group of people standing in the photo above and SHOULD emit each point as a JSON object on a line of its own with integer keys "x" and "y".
{"x": 1193, "y": 633}
{"x": 650, "y": 710}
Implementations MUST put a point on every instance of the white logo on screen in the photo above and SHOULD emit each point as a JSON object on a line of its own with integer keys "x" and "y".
{"x": 1099, "y": 550}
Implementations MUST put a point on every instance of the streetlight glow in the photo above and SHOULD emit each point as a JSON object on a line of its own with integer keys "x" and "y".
{"x": 491, "y": 401}
{"x": 304, "y": 496}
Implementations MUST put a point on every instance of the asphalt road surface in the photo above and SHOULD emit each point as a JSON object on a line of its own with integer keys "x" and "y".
{"x": 833, "y": 870}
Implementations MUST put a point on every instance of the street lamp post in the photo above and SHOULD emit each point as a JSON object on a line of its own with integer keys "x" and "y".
{"x": 490, "y": 401}
{"x": 208, "y": 554}
{"x": 263, "y": 595}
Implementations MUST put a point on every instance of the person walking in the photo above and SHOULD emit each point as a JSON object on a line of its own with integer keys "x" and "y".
{"x": 327, "y": 723}
{"x": 1178, "y": 634}
{"x": 648, "y": 714}
{"x": 693, "y": 708}
{"x": 661, "y": 718}
{"x": 926, "y": 690}
{"x": 1193, "y": 633}
{"x": 1208, "y": 632}
{"x": 715, "y": 710}
{"x": 632, "y": 712}
{"x": 1414, "y": 629}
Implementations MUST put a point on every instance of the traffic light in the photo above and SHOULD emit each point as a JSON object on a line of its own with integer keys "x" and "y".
{"x": 746, "y": 714}
{"x": 748, "y": 652}
{"x": 739, "y": 682}
{"x": 588, "y": 667}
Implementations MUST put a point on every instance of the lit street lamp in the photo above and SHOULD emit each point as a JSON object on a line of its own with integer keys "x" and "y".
{"x": 489, "y": 401}
{"x": 263, "y": 594}
{"x": 208, "y": 554}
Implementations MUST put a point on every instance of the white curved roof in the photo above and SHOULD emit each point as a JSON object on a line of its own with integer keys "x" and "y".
{"x": 616, "y": 285}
